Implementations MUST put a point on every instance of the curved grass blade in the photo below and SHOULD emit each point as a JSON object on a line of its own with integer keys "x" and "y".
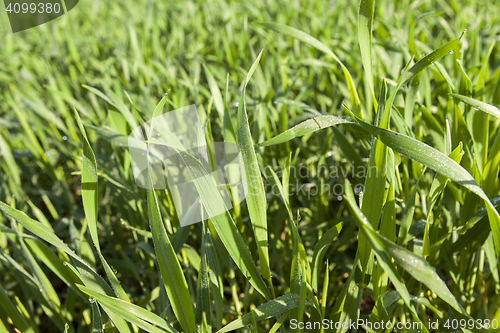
{"x": 118, "y": 105}
{"x": 131, "y": 312}
{"x": 374, "y": 185}
{"x": 308, "y": 39}
{"x": 437, "y": 187}
{"x": 365, "y": 23}
{"x": 485, "y": 107}
{"x": 156, "y": 113}
{"x": 417, "y": 266}
{"x": 270, "y": 309}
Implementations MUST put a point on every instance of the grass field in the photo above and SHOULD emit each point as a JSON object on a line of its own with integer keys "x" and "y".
{"x": 374, "y": 128}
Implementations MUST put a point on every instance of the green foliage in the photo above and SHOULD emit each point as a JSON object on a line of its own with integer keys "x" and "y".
{"x": 368, "y": 132}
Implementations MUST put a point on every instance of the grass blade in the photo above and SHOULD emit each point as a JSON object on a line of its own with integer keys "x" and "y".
{"x": 439, "y": 162}
{"x": 131, "y": 312}
{"x": 270, "y": 309}
{"x": 171, "y": 271}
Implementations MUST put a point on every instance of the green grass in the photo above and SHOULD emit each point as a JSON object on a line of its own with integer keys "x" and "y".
{"x": 408, "y": 90}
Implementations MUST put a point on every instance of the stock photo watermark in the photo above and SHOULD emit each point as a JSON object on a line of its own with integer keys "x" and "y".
{"x": 172, "y": 146}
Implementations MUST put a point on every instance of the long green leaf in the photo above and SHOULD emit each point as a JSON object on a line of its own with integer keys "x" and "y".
{"x": 365, "y": 22}
{"x": 88, "y": 275}
{"x": 309, "y": 126}
{"x": 415, "y": 265}
{"x": 255, "y": 195}
{"x": 308, "y": 39}
{"x": 485, "y": 107}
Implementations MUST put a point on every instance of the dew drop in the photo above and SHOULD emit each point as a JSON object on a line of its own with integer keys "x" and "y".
{"x": 41, "y": 290}
{"x": 339, "y": 198}
{"x": 465, "y": 30}
{"x": 65, "y": 263}
{"x": 451, "y": 52}
{"x": 65, "y": 138}
{"x": 357, "y": 190}
{"x": 237, "y": 104}
{"x": 92, "y": 300}
{"x": 293, "y": 102}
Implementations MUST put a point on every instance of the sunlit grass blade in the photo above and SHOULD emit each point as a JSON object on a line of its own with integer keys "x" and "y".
{"x": 365, "y": 22}
{"x": 214, "y": 89}
{"x": 478, "y": 105}
{"x": 439, "y": 162}
{"x": 309, "y": 126}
